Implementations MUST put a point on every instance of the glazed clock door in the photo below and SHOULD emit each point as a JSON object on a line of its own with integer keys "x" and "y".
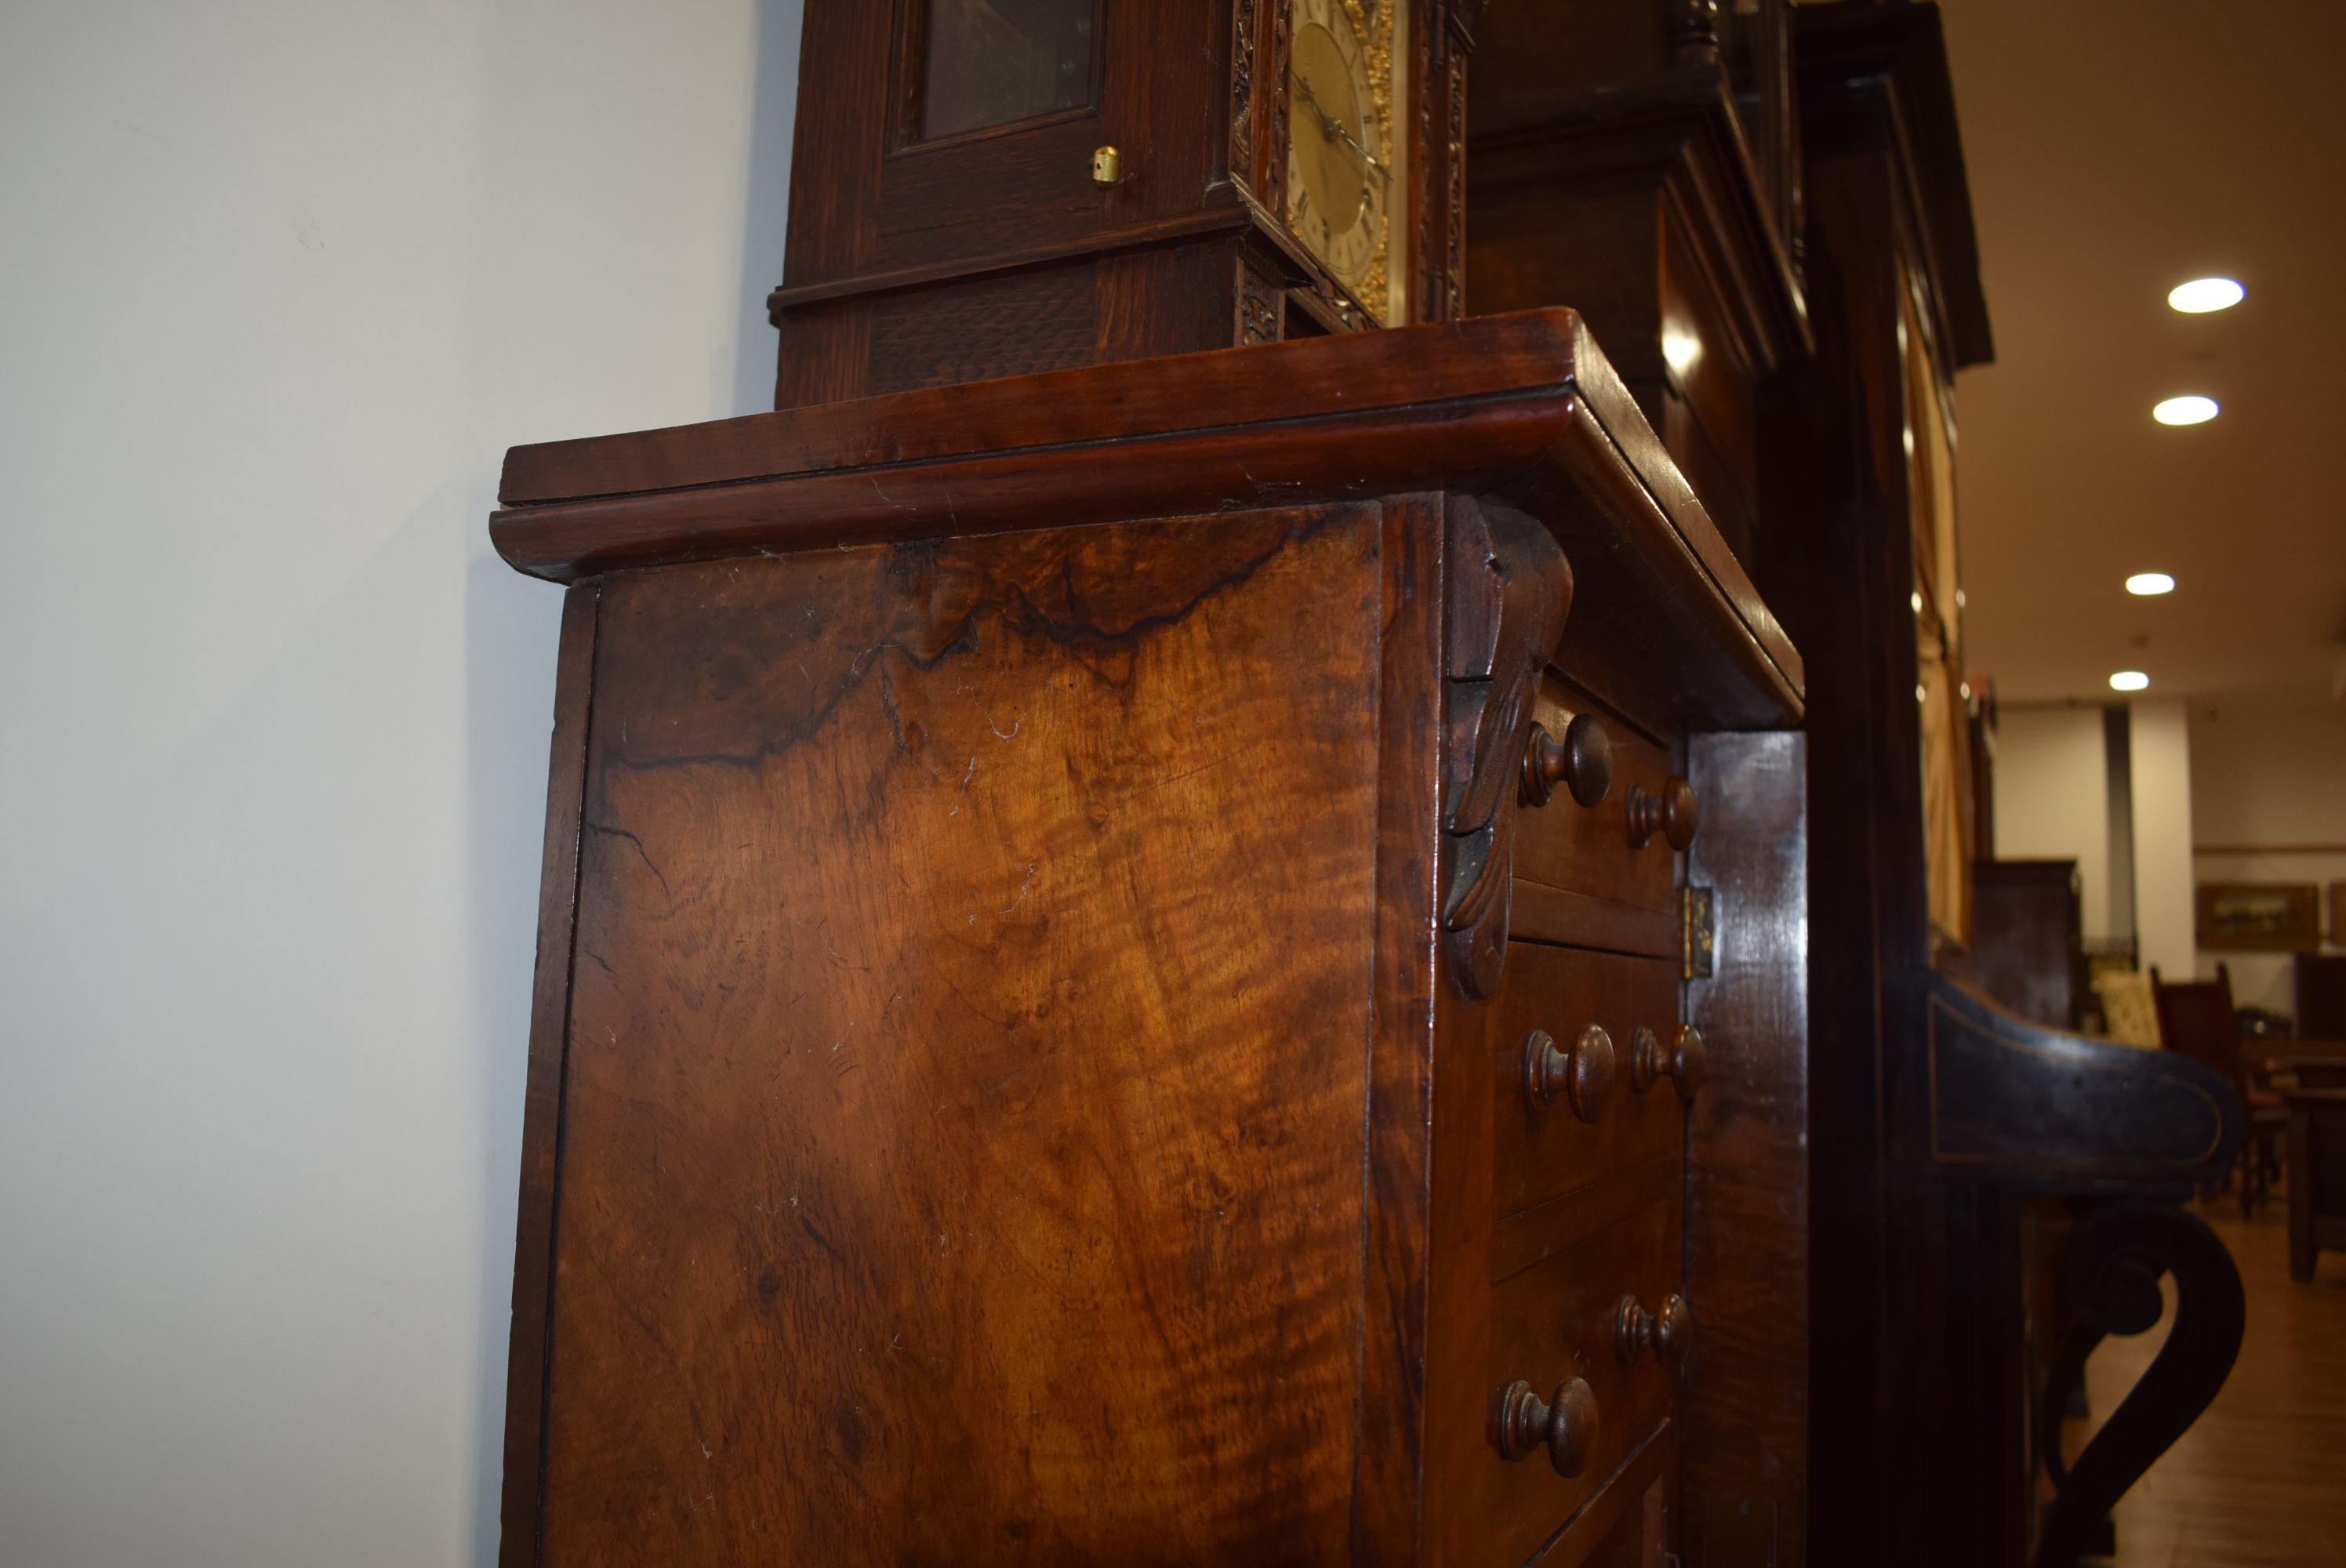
{"x": 937, "y": 135}
{"x": 984, "y": 189}
{"x": 984, "y": 64}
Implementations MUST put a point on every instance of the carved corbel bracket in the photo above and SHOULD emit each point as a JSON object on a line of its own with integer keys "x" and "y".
{"x": 2111, "y": 1274}
{"x": 1509, "y": 590}
{"x": 2010, "y": 1103}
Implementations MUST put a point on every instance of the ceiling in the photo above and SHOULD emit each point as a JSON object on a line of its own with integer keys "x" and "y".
{"x": 2117, "y": 147}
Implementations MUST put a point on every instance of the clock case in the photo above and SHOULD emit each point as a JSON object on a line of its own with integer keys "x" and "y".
{"x": 1639, "y": 159}
{"x": 920, "y": 262}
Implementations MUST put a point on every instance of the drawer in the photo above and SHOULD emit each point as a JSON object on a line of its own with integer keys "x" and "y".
{"x": 1557, "y": 1320}
{"x": 1542, "y": 1150}
{"x": 1633, "y": 1513}
{"x": 1588, "y": 849}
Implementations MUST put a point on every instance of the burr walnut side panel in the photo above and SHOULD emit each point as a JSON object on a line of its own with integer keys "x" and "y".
{"x": 962, "y": 1137}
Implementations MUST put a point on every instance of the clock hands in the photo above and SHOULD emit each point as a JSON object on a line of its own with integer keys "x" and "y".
{"x": 1333, "y": 128}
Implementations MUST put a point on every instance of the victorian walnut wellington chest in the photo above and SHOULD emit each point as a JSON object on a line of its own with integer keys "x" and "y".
{"x": 1113, "y": 979}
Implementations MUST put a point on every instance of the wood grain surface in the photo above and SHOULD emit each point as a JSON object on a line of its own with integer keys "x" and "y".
{"x": 1522, "y": 408}
{"x": 968, "y": 1054}
{"x": 1745, "y": 1422}
{"x": 549, "y": 1032}
{"x": 1014, "y": 1106}
{"x": 1543, "y": 1151}
{"x": 1391, "y": 1497}
{"x": 1139, "y": 401}
{"x": 1555, "y": 1321}
{"x": 1586, "y": 849}
{"x": 1626, "y": 1525}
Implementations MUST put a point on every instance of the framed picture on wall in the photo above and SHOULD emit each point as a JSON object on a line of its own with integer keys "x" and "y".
{"x": 2261, "y": 917}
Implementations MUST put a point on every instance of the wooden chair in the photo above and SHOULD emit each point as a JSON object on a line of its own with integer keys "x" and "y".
{"x": 2195, "y": 1019}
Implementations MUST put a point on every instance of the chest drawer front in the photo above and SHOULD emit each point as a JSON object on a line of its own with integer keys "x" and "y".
{"x": 1544, "y": 1149}
{"x": 1588, "y": 850}
{"x": 1560, "y": 1319}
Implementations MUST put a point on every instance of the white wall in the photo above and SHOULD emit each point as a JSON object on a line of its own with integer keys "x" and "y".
{"x": 2051, "y": 798}
{"x": 2163, "y": 914}
{"x": 282, "y": 278}
{"x": 2268, "y": 775}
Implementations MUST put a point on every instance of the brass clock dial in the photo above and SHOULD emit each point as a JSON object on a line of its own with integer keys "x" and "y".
{"x": 1343, "y": 168}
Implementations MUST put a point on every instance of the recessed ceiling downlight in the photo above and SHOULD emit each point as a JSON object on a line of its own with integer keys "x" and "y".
{"x": 2185, "y": 410}
{"x": 2145, "y": 583}
{"x": 2129, "y": 680}
{"x": 2202, "y": 295}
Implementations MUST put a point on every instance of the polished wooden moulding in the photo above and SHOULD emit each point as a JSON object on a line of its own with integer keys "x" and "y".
{"x": 1045, "y": 907}
{"x": 1522, "y": 409}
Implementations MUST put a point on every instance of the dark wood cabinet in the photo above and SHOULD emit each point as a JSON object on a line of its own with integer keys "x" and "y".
{"x": 1114, "y": 969}
{"x": 1178, "y": 931}
{"x": 2317, "y": 991}
{"x": 1789, "y": 281}
{"x": 2028, "y": 948}
{"x": 1940, "y": 1121}
{"x": 1639, "y": 159}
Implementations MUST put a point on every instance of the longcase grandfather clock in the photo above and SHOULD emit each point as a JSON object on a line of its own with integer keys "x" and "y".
{"x": 991, "y": 187}
{"x": 1156, "y": 885}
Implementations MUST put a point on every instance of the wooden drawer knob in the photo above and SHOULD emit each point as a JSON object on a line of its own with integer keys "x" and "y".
{"x": 1667, "y": 1332}
{"x": 1582, "y": 762}
{"x": 1521, "y": 1421}
{"x": 1584, "y": 1075}
{"x": 1672, "y": 813}
{"x": 1688, "y": 1060}
{"x": 1682, "y": 1063}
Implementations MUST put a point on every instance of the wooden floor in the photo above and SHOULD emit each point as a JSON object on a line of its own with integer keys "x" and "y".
{"x": 2260, "y": 1480}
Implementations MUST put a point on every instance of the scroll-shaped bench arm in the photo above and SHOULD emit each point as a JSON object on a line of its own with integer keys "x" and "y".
{"x": 2014, "y": 1104}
